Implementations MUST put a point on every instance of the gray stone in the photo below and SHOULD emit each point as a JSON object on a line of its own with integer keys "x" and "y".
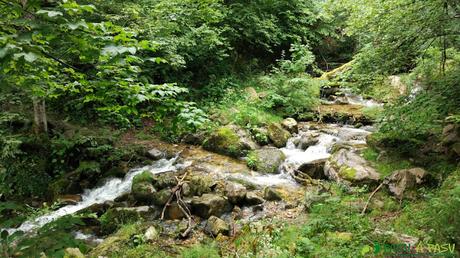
{"x": 151, "y": 234}
{"x": 346, "y": 165}
{"x": 215, "y": 226}
{"x": 278, "y": 135}
{"x": 290, "y": 124}
{"x": 270, "y": 194}
{"x": 236, "y": 193}
{"x": 267, "y": 160}
{"x": 404, "y": 180}
{"x": 210, "y": 204}
{"x": 156, "y": 154}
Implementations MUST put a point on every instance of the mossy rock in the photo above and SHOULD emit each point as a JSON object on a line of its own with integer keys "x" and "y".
{"x": 88, "y": 168}
{"x": 114, "y": 218}
{"x": 201, "y": 184}
{"x": 164, "y": 180}
{"x": 278, "y": 135}
{"x": 226, "y": 141}
{"x": 266, "y": 160}
{"x": 142, "y": 188}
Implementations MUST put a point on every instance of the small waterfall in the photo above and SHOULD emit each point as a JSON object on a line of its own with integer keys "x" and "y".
{"x": 111, "y": 189}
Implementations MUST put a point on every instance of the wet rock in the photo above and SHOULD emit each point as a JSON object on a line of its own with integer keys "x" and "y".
{"x": 290, "y": 124}
{"x": 230, "y": 140}
{"x": 236, "y": 193}
{"x": 307, "y": 139}
{"x": 160, "y": 198}
{"x": 69, "y": 199}
{"x": 210, "y": 204}
{"x": 73, "y": 253}
{"x": 451, "y": 140}
{"x": 215, "y": 226}
{"x": 253, "y": 199}
{"x": 271, "y": 194}
{"x": 156, "y": 154}
{"x": 266, "y": 160}
{"x": 346, "y": 165}
{"x": 278, "y": 135}
{"x": 314, "y": 169}
{"x": 404, "y": 180}
{"x": 151, "y": 234}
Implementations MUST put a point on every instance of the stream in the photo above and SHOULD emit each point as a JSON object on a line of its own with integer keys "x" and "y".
{"x": 326, "y": 135}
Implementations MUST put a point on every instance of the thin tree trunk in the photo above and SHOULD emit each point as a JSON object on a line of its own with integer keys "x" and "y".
{"x": 40, "y": 121}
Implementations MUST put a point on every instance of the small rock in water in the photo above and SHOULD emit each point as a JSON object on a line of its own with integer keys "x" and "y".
{"x": 267, "y": 160}
{"x": 70, "y": 199}
{"x": 156, "y": 154}
{"x": 216, "y": 226}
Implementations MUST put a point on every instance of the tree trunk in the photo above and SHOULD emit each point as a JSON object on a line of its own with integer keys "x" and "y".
{"x": 40, "y": 121}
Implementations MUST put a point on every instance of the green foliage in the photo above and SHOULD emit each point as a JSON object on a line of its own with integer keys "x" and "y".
{"x": 438, "y": 215}
{"x": 51, "y": 240}
{"x": 199, "y": 251}
{"x": 113, "y": 219}
{"x": 290, "y": 96}
{"x": 387, "y": 163}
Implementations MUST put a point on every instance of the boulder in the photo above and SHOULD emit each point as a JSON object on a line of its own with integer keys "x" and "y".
{"x": 161, "y": 197}
{"x": 164, "y": 180}
{"x": 194, "y": 138}
{"x": 271, "y": 194}
{"x": 290, "y": 124}
{"x": 236, "y": 193}
{"x": 210, "y": 204}
{"x": 266, "y": 160}
{"x": 215, "y": 226}
{"x": 253, "y": 199}
{"x": 346, "y": 165}
{"x": 230, "y": 140}
{"x": 200, "y": 184}
{"x": 143, "y": 192}
{"x": 156, "y": 154}
{"x": 278, "y": 135}
{"x": 404, "y": 180}
{"x": 314, "y": 169}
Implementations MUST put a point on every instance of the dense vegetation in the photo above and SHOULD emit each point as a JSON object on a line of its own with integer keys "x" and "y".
{"x": 79, "y": 80}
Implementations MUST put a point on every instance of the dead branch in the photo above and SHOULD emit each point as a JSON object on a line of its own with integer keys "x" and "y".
{"x": 176, "y": 192}
{"x": 372, "y": 195}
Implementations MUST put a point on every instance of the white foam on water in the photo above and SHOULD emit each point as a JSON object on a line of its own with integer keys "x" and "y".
{"x": 111, "y": 189}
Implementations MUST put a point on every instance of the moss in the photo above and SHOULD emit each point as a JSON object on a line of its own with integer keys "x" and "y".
{"x": 225, "y": 141}
{"x": 89, "y": 168}
{"x": 114, "y": 218}
{"x": 145, "y": 176}
{"x": 347, "y": 173}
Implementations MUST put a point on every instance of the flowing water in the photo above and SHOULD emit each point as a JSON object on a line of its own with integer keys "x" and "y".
{"x": 111, "y": 189}
{"x": 326, "y": 136}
